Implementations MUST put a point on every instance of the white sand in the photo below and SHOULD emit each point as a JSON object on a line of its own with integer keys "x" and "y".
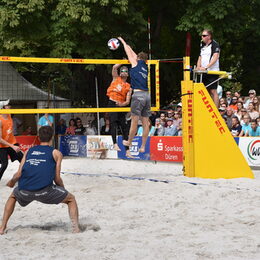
{"x": 138, "y": 219}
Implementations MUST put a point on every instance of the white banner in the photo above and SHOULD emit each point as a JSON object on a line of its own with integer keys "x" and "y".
{"x": 100, "y": 147}
{"x": 250, "y": 147}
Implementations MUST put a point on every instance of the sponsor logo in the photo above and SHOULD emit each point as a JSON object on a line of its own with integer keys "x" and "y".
{"x": 5, "y": 58}
{"x": 37, "y": 153}
{"x": 190, "y": 112}
{"x": 160, "y": 145}
{"x": 134, "y": 149}
{"x": 72, "y": 60}
{"x": 214, "y": 116}
{"x": 169, "y": 152}
{"x": 144, "y": 75}
{"x": 253, "y": 152}
{"x": 25, "y": 147}
{"x": 73, "y": 146}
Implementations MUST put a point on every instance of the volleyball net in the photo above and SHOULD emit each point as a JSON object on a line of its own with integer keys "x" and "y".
{"x": 64, "y": 85}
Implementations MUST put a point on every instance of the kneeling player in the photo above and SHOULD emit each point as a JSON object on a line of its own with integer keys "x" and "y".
{"x": 40, "y": 167}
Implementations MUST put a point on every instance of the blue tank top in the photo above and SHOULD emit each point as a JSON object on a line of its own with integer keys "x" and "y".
{"x": 39, "y": 168}
{"x": 139, "y": 75}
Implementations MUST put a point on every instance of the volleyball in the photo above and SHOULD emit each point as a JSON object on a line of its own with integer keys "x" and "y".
{"x": 113, "y": 44}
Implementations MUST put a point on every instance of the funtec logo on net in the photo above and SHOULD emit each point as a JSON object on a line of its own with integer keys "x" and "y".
{"x": 253, "y": 152}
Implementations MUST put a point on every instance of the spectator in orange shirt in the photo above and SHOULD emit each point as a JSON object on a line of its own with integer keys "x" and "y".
{"x": 233, "y": 104}
{"x": 8, "y": 144}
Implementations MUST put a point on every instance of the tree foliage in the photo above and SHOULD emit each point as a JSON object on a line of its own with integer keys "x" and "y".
{"x": 81, "y": 28}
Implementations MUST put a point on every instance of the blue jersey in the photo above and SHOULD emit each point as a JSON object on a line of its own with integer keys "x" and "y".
{"x": 39, "y": 168}
{"x": 139, "y": 75}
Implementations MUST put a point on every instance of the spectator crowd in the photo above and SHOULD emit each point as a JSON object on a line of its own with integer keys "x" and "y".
{"x": 241, "y": 114}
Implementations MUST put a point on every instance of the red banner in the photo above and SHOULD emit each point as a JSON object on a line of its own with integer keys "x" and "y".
{"x": 27, "y": 141}
{"x": 166, "y": 148}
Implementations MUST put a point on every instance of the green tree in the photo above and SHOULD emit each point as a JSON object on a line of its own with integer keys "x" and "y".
{"x": 236, "y": 27}
{"x": 81, "y": 28}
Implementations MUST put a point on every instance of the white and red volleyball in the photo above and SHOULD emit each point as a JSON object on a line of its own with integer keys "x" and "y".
{"x": 113, "y": 44}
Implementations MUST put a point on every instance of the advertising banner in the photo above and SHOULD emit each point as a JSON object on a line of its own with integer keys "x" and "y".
{"x": 250, "y": 147}
{"x": 73, "y": 145}
{"x": 27, "y": 141}
{"x": 166, "y": 148}
{"x": 100, "y": 147}
{"x": 134, "y": 149}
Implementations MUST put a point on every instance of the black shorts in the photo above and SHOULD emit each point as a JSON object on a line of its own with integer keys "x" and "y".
{"x": 208, "y": 78}
{"x": 115, "y": 116}
{"x": 12, "y": 153}
{"x": 49, "y": 195}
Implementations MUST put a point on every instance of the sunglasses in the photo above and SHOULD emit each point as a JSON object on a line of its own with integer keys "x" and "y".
{"x": 204, "y": 35}
{"x": 124, "y": 70}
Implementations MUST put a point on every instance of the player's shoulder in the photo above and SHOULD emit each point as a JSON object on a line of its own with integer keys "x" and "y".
{"x": 215, "y": 44}
{"x": 56, "y": 154}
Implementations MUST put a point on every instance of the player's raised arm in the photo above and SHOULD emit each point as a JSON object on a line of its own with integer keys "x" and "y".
{"x": 131, "y": 55}
{"x": 115, "y": 71}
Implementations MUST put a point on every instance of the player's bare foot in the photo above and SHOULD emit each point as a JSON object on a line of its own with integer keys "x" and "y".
{"x": 2, "y": 230}
{"x": 116, "y": 147}
{"x": 75, "y": 230}
{"x": 126, "y": 143}
{"x": 142, "y": 150}
{"x": 129, "y": 155}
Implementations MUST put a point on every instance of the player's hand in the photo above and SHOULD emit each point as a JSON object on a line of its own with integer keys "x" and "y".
{"x": 10, "y": 183}
{"x": 120, "y": 104}
{"x": 121, "y": 40}
{"x": 16, "y": 148}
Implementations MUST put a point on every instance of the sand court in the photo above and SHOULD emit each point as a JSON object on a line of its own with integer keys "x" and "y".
{"x": 139, "y": 216}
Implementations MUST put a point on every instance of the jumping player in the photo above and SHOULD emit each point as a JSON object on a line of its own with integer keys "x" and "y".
{"x": 8, "y": 144}
{"x": 141, "y": 103}
{"x": 40, "y": 167}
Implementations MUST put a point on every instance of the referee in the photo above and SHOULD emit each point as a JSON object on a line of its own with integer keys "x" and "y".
{"x": 209, "y": 60}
